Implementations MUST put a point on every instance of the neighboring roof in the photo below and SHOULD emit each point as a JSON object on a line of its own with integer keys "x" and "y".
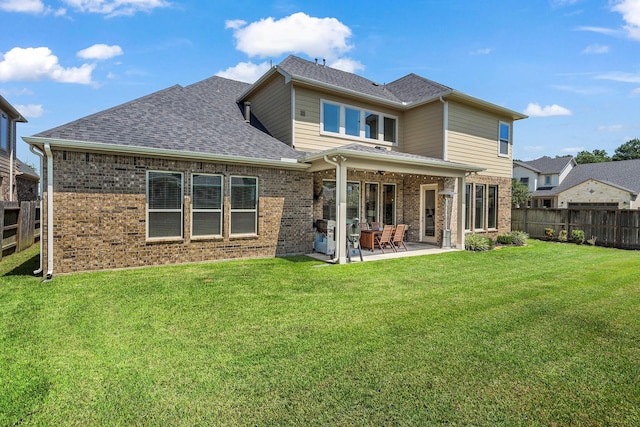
{"x": 199, "y": 119}
{"x": 26, "y": 171}
{"x": 406, "y": 92}
{"x": 9, "y": 109}
{"x": 547, "y": 165}
{"x": 623, "y": 174}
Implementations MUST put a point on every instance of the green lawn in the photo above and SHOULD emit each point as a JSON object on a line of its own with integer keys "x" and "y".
{"x": 548, "y": 334}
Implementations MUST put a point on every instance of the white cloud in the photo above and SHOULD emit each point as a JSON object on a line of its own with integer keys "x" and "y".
{"x": 40, "y": 63}
{"x": 562, "y": 3}
{"x": 535, "y": 110}
{"x": 636, "y": 91}
{"x": 245, "y": 71}
{"x": 112, "y": 8}
{"x": 610, "y": 128}
{"x": 619, "y": 76}
{"x": 630, "y": 10}
{"x": 347, "y": 64}
{"x": 485, "y": 51}
{"x": 31, "y": 110}
{"x": 572, "y": 149}
{"x": 234, "y": 24}
{"x": 24, "y": 6}
{"x": 297, "y": 33}
{"x": 100, "y": 51}
{"x": 599, "y": 30}
{"x": 533, "y": 148}
{"x": 596, "y": 49}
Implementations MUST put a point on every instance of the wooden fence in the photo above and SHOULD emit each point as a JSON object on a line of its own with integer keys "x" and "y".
{"x": 20, "y": 226}
{"x": 616, "y": 228}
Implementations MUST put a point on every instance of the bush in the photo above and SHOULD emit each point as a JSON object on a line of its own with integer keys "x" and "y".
{"x": 562, "y": 236}
{"x": 519, "y": 238}
{"x": 592, "y": 240}
{"x": 577, "y": 236}
{"x": 549, "y": 232}
{"x": 477, "y": 243}
{"x": 504, "y": 239}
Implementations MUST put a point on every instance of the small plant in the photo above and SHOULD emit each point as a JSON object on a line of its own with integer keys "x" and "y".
{"x": 577, "y": 236}
{"x": 504, "y": 239}
{"x": 477, "y": 243}
{"x": 519, "y": 238}
{"x": 592, "y": 240}
{"x": 549, "y": 232}
{"x": 562, "y": 236}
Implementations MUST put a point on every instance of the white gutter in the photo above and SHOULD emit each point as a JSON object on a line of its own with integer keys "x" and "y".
{"x": 47, "y": 149}
{"x": 163, "y": 152}
{"x": 40, "y": 155}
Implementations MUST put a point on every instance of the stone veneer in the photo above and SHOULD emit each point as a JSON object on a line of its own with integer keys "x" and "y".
{"x": 100, "y": 213}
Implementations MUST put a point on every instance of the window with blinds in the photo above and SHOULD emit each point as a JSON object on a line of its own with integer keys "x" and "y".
{"x": 164, "y": 204}
{"x": 244, "y": 205}
{"x": 206, "y": 205}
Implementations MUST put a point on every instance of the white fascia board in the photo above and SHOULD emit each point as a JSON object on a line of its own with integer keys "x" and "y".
{"x": 162, "y": 152}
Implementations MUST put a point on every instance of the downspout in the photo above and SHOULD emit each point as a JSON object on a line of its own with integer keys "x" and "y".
{"x": 40, "y": 155}
{"x": 47, "y": 149}
{"x": 341, "y": 213}
{"x": 12, "y": 153}
{"x": 445, "y": 129}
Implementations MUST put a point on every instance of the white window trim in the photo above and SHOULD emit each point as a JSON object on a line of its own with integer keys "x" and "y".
{"x": 342, "y": 126}
{"x": 181, "y": 210}
{"x": 255, "y": 210}
{"x": 395, "y": 205}
{"x": 496, "y": 201}
{"x": 501, "y": 154}
{"x": 221, "y": 210}
{"x": 484, "y": 207}
{"x": 364, "y": 202}
{"x": 4, "y": 131}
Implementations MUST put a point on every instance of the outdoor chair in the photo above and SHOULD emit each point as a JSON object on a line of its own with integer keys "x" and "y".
{"x": 398, "y": 236}
{"x": 375, "y": 225}
{"x": 384, "y": 240}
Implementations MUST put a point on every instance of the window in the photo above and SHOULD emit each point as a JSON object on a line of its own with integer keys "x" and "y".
{"x": 329, "y": 200}
{"x": 492, "y": 214}
{"x": 244, "y": 205}
{"x": 479, "y": 207}
{"x": 206, "y": 202}
{"x": 356, "y": 123}
{"x": 4, "y": 132}
{"x": 371, "y": 202}
{"x": 525, "y": 181}
{"x": 388, "y": 204}
{"x": 164, "y": 204}
{"x": 547, "y": 180}
{"x": 504, "y": 137}
{"x": 467, "y": 206}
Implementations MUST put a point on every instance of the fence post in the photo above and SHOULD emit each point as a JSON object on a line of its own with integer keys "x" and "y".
{"x": 619, "y": 228}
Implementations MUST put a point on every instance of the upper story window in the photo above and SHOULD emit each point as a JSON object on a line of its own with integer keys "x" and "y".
{"x": 504, "y": 138}
{"x": 357, "y": 123}
{"x": 4, "y": 132}
{"x": 547, "y": 180}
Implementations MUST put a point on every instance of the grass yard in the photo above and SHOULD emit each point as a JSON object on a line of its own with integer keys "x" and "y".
{"x": 543, "y": 335}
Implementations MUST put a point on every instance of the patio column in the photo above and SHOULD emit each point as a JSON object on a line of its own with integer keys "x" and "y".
{"x": 340, "y": 256}
{"x": 462, "y": 206}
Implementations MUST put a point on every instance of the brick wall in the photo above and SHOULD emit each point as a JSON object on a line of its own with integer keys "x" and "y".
{"x": 100, "y": 213}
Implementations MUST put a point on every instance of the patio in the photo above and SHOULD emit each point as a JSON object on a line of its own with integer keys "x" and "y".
{"x": 413, "y": 249}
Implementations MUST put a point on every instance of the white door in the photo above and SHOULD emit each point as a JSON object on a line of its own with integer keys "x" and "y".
{"x": 428, "y": 213}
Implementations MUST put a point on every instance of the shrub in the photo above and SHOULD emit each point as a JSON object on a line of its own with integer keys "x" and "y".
{"x": 577, "y": 236}
{"x": 477, "y": 243}
{"x": 504, "y": 239}
{"x": 592, "y": 240}
{"x": 562, "y": 236}
{"x": 519, "y": 238}
{"x": 549, "y": 232}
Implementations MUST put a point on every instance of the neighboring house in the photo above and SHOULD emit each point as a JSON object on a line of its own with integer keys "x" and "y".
{"x": 607, "y": 185}
{"x": 222, "y": 169}
{"x": 18, "y": 182}
{"x": 542, "y": 176}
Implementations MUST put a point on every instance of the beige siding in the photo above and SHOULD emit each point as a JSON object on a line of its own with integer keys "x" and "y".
{"x": 307, "y": 124}
{"x": 423, "y": 134}
{"x": 473, "y": 139}
{"x": 272, "y": 106}
{"x": 593, "y": 191}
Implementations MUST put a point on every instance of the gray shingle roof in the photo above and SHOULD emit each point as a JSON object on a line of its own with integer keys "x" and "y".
{"x": 547, "y": 165}
{"x": 623, "y": 174}
{"x": 25, "y": 170}
{"x": 200, "y": 118}
{"x": 413, "y": 88}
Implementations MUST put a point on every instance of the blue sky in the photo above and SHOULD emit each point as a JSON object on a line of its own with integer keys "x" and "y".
{"x": 572, "y": 65}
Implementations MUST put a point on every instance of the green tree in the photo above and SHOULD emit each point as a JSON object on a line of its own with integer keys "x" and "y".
{"x": 628, "y": 151}
{"x": 597, "y": 156}
{"x": 520, "y": 194}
